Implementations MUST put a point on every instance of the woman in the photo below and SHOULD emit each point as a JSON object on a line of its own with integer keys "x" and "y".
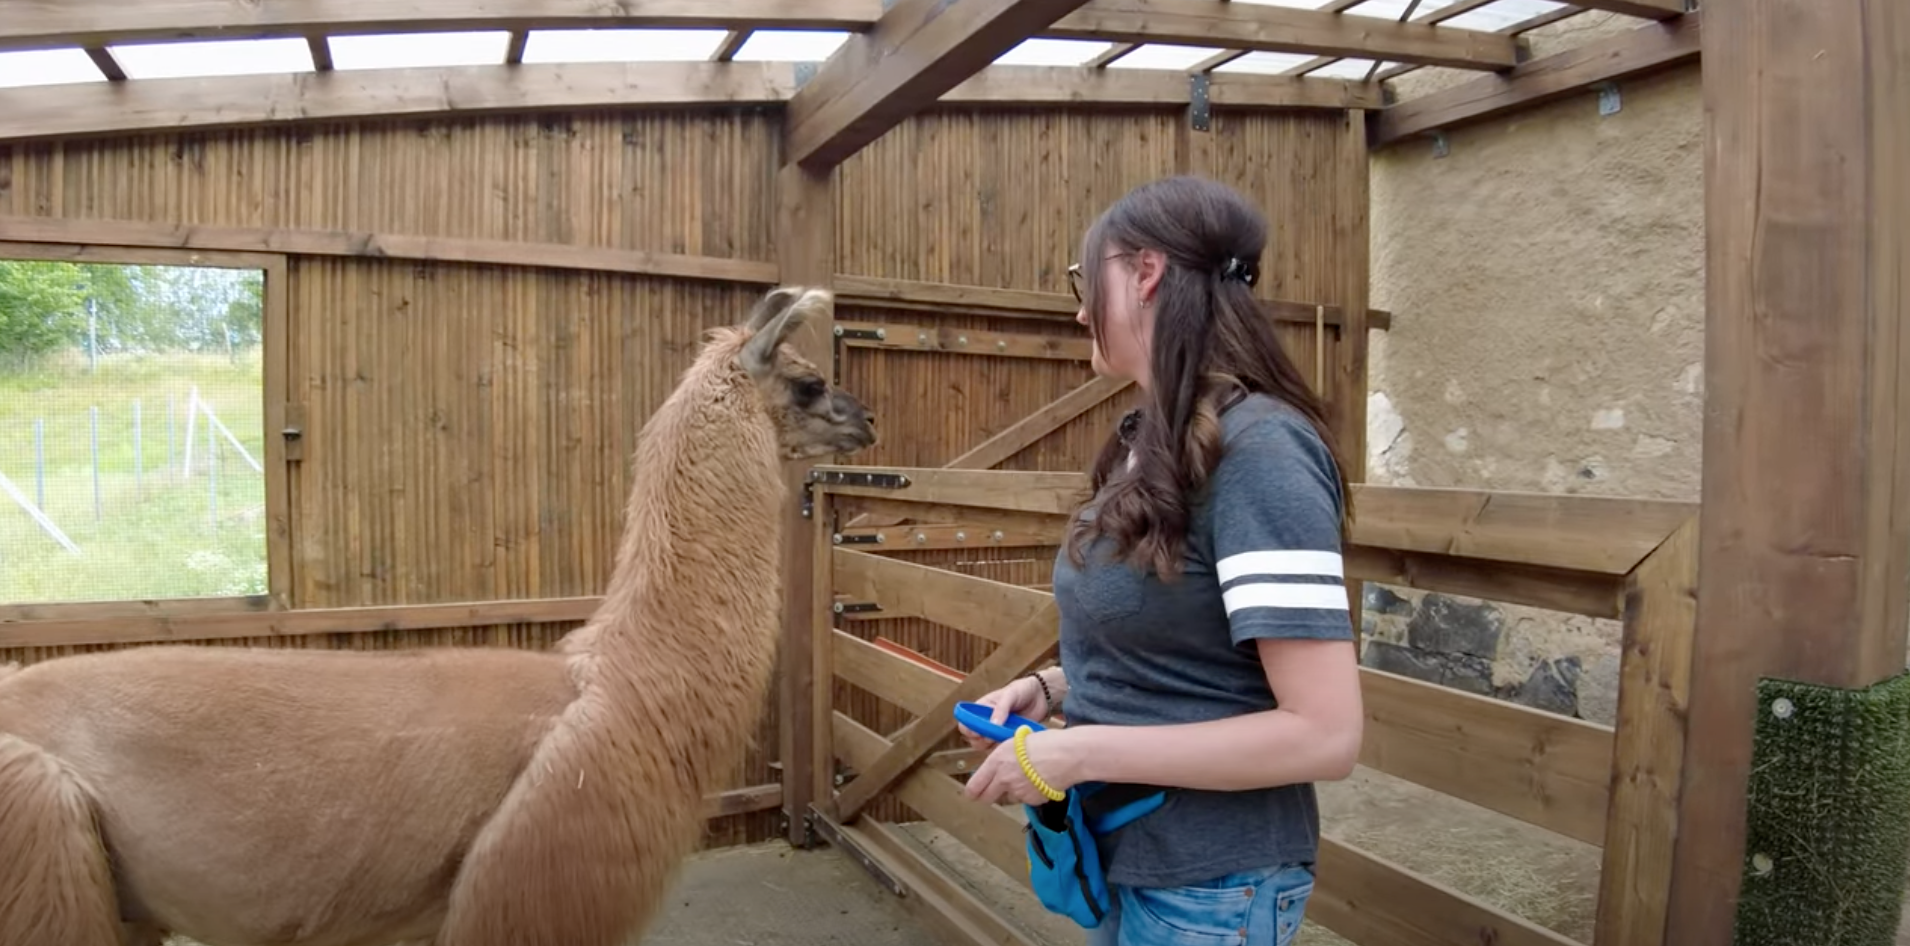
{"x": 1201, "y": 581}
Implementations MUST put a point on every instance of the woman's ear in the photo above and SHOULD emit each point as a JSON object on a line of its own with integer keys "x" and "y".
{"x": 1149, "y": 267}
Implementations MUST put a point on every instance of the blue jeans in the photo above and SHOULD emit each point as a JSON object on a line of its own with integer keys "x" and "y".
{"x": 1260, "y": 907}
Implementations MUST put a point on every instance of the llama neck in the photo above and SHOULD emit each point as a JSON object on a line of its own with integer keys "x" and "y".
{"x": 688, "y": 629}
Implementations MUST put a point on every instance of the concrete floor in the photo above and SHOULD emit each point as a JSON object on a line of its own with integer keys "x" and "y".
{"x": 774, "y": 895}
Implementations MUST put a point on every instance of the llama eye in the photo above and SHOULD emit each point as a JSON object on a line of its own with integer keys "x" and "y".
{"x": 809, "y": 389}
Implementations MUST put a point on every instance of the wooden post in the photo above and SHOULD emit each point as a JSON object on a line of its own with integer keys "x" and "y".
{"x": 805, "y": 255}
{"x": 1804, "y": 549}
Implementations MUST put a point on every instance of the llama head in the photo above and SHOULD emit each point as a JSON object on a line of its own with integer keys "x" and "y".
{"x": 813, "y": 418}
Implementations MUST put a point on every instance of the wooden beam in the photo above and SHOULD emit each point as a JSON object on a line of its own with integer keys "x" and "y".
{"x": 916, "y": 51}
{"x": 1804, "y": 532}
{"x": 82, "y": 234}
{"x": 107, "y": 65}
{"x": 743, "y": 801}
{"x": 1253, "y": 26}
{"x": 1542, "y": 768}
{"x": 514, "y": 48}
{"x": 1654, "y": 697}
{"x": 1651, "y": 48}
{"x": 931, "y": 338}
{"x": 322, "y": 53}
{"x": 1370, "y": 900}
{"x": 105, "y": 22}
{"x": 805, "y": 241}
{"x": 1056, "y": 85}
{"x": 880, "y": 292}
{"x": 1029, "y": 430}
{"x": 171, "y": 625}
{"x": 983, "y": 607}
{"x": 145, "y": 105}
{"x": 1599, "y": 534}
{"x": 1555, "y": 589}
{"x": 80, "y": 110}
{"x": 1023, "y": 646}
{"x": 730, "y": 46}
{"x": 1644, "y": 9}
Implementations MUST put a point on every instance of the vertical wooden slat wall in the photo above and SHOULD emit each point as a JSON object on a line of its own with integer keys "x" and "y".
{"x": 467, "y": 428}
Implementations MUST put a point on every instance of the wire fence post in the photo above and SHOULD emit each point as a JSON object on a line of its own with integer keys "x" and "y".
{"x": 212, "y": 478}
{"x": 94, "y": 414}
{"x": 139, "y": 466}
{"x": 39, "y": 462}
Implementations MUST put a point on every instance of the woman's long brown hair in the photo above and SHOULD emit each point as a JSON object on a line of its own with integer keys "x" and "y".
{"x": 1212, "y": 342}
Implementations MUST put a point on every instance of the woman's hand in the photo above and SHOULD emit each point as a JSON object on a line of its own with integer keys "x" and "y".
{"x": 999, "y": 777}
{"x": 1022, "y": 697}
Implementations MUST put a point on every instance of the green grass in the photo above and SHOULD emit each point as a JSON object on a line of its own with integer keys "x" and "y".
{"x": 157, "y": 533}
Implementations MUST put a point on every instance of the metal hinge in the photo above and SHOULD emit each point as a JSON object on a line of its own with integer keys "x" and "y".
{"x": 865, "y": 478}
{"x": 870, "y": 334}
{"x": 820, "y": 824}
{"x": 855, "y": 607}
{"x": 1198, "y": 113}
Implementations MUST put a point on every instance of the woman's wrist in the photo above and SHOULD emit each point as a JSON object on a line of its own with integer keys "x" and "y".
{"x": 1054, "y": 686}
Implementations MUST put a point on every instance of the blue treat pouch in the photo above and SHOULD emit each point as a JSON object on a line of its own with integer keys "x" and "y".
{"x": 1064, "y": 862}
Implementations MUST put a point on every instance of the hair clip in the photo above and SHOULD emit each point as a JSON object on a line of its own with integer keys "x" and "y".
{"x": 1240, "y": 269}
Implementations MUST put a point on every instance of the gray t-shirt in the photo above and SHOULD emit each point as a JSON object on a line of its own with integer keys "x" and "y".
{"x": 1263, "y": 560}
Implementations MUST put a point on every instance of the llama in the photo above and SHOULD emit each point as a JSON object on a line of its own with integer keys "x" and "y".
{"x": 448, "y": 796}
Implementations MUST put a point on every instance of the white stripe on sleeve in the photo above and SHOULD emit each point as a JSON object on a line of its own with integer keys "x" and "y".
{"x": 1280, "y": 562}
{"x": 1285, "y": 595}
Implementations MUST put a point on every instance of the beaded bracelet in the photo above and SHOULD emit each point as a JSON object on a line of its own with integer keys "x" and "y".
{"x": 1047, "y": 697}
{"x": 1028, "y": 768}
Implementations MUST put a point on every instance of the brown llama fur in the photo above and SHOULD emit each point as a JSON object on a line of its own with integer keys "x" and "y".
{"x": 447, "y": 796}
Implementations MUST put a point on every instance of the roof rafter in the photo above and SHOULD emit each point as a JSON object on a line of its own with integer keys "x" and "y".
{"x": 1259, "y": 27}
{"x": 148, "y": 105}
{"x": 1647, "y": 49}
{"x": 103, "y": 22}
{"x": 918, "y": 50}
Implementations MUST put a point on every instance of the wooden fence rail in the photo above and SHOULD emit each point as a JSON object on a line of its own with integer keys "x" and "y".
{"x": 1604, "y": 557}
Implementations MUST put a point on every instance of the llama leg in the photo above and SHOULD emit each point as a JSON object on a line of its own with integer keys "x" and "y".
{"x": 55, "y": 883}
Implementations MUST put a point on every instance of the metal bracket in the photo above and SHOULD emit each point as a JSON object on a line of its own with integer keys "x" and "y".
{"x": 863, "y": 333}
{"x": 870, "y": 479}
{"x": 1608, "y": 100}
{"x": 804, "y": 71}
{"x": 856, "y": 607}
{"x": 871, "y": 538}
{"x": 1440, "y": 146}
{"x": 1198, "y": 114}
{"x": 818, "y": 822}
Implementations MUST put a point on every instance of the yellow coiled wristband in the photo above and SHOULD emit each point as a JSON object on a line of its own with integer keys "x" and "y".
{"x": 1028, "y": 768}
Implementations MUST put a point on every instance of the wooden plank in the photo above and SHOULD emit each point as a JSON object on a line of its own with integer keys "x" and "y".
{"x": 103, "y": 22}
{"x": 905, "y": 683}
{"x": 1047, "y": 493}
{"x": 1645, "y": 9}
{"x": 931, "y": 894}
{"x": 1556, "y": 589}
{"x": 876, "y": 291}
{"x": 1026, "y": 644}
{"x": 276, "y": 327}
{"x": 1651, "y": 48}
{"x": 116, "y": 109}
{"x": 980, "y": 606}
{"x": 1607, "y": 535}
{"x": 1541, "y": 768}
{"x": 1061, "y": 85}
{"x": 1654, "y": 694}
{"x": 108, "y": 66}
{"x": 880, "y": 513}
{"x": 211, "y": 626}
{"x": 1373, "y": 901}
{"x": 1253, "y": 26}
{"x": 989, "y": 831}
{"x": 20, "y": 614}
{"x": 958, "y": 535}
{"x": 1029, "y": 430}
{"x": 353, "y": 243}
{"x": 1804, "y": 544}
{"x": 805, "y": 240}
{"x": 916, "y": 51}
{"x": 742, "y": 801}
{"x": 927, "y": 338}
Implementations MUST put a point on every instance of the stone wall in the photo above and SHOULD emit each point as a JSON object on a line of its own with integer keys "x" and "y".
{"x": 1546, "y": 279}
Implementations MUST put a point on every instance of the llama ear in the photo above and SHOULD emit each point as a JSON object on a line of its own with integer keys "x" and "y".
{"x": 760, "y": 351}
{"x": 770, "y": 305}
